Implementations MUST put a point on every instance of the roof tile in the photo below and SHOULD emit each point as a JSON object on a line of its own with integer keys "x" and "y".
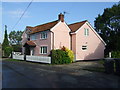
{"x": 75, "y": 26}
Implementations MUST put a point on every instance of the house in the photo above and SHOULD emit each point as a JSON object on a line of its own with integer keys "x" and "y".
{"x": 80, "y": 37}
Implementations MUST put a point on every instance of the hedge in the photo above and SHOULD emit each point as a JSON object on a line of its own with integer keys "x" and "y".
{"x": 62, "y": 56}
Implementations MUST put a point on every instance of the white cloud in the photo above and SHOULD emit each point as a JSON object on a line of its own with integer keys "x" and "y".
{"x": 17, "y": 13}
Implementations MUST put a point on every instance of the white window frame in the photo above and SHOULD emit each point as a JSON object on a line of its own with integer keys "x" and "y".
{"x": 86, "y": 31}
{"x": 43, "y": 35}
{"x": 42, "y": 50}
{"x": 84, "y": 47}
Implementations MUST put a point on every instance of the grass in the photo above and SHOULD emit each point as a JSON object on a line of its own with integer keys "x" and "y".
{"x": 95, "y": 69}
{"x": 26, "y": 61}
{"x": 13, "y": 59}
{"x": 99, "y": 69}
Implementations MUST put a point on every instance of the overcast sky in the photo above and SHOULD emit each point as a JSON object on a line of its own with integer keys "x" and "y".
{"x": 43, "y": 12}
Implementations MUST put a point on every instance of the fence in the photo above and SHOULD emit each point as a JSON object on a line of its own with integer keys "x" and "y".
{"x": 19, "y": 57}
{"x": 42, "y": 59}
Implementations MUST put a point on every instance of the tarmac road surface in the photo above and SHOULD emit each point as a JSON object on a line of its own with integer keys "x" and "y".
{"x": 21, "y": 74}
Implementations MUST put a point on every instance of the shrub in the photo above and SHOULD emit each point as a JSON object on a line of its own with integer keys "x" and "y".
{"x": 69, "y": 52}
{"x": 60, "y": 57}
{"x": 115, "y": 54}
{"x": 7, "y": 51}
{"x": 17, "y": 48}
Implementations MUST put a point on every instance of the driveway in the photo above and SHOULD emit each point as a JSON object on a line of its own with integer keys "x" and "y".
{"x": 21, "y": 74}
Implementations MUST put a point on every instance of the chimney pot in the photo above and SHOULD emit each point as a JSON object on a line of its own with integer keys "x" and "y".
{"x": 61, "y": 17}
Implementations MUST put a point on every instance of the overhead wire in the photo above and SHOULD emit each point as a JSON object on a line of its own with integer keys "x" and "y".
{"x": 22, "y": 14}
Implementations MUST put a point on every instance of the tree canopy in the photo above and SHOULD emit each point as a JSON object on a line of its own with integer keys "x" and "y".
{"x": 108, "y": 26}
{"x": 15, "y": 37}
{"x": 5, "y": 41}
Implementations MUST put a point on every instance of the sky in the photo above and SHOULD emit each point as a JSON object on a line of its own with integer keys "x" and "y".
{"x": 43, "y": 12}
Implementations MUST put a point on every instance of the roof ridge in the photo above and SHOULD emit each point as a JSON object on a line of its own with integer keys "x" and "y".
{"x": 78, "y": 22}
{"x": 46, "y": 23}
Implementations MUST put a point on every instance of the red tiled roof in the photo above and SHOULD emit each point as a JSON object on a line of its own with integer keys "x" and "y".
{"x": 30, "y": 43}
{"x": 75, "y": 26}
{"x": 42, "y": 27}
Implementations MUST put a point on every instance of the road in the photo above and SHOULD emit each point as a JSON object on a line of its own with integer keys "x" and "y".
{"x": 21, "y": 74}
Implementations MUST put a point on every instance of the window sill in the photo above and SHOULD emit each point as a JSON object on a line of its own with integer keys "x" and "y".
{"x": 43, "y": 39}
{"x": 43, "y": 53}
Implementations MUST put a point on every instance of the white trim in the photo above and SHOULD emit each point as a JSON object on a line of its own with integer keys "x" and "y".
{"x": 41, "y": 34}
{"x": 95, "y": 32}
{"x": 67, "y": 26}
{"x": 72, "y": 33}
{"x": 42, "y": 51}
{"x": 55, "y": 26}
{"x": 92, "y": 30}
{"x": 80, "y": 28}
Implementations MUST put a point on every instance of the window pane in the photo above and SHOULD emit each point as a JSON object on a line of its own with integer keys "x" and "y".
{"x": 43, "y": 50}
{"x": 87, "y": 32}
{"x": 84, "y": 47}
{"x": 43, "y": 35}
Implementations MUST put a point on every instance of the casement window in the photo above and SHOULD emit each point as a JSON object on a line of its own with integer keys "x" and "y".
{"x": 84, "y": 47}
{"x": 86, "y": 31}
{"x": 43, "y": 50}
{"x": 33, "y": 37}
{"x": 43, "y": 35}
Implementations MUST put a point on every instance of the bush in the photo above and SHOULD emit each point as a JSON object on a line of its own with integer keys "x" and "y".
{"x": 115, "y": 54}
{"x": 7, "y": 51}
{"x": 60, "y": 57}
{"x": 17, "y": 48}
{"x": 69, "y": 52}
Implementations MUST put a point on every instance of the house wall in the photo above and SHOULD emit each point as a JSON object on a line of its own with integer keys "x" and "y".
{"x": 24, "y": 39}
{"x": 73, "y": 42}
{"x": 95, "y": 47}
{"x": 61, "y": 36}
{"x": 42, "y": 42}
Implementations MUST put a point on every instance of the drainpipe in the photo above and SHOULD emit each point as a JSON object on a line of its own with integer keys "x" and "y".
{"x": 52, "y": 40}
{"x": 70, "y": 40}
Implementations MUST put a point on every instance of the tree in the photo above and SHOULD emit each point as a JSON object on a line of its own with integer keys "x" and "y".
{"x": 15, "y": 37}
{"x": 108, "y": 26}
{"x": 5, "y": 41}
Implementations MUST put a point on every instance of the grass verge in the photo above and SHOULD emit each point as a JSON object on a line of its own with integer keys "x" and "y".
{"x": 13, "y": 59}
{"x": 96, "y": 69}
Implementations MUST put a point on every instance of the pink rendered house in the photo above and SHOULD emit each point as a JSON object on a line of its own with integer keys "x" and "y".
{"x": 80, "y": 37}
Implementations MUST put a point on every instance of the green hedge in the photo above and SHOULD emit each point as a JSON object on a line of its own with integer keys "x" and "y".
{"x": 7, "y": 51}
{"x": 62, "y": 56}
{"x": 115, "y": 54}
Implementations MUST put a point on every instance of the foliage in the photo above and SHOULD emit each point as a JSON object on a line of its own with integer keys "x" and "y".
{"x": 8, "y": 51}
{"x": 59, "y": 57}
{"x": 5, "y": 41}
{"x": 62, "y": 56}
{"x": 115, "y": 54}
{"x": 15, "y": 37}
{"x": 12, "y": 60}
{"x": 17, "y": 48}
{"x": 69, "y": 52}
{"x": 108, "y": 26}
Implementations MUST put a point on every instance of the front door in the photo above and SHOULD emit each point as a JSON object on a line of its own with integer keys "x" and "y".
{"x": 27, "y": 50}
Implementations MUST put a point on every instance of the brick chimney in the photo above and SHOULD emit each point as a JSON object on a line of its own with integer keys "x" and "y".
{"x": 61, "y": 17}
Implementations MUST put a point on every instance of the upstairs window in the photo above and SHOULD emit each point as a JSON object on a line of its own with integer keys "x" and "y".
{"x": 43, "y": 35}
{"x": 84, "y": 47}
{"x": 33, "y": 37}
{"x": 86, "y": 31}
